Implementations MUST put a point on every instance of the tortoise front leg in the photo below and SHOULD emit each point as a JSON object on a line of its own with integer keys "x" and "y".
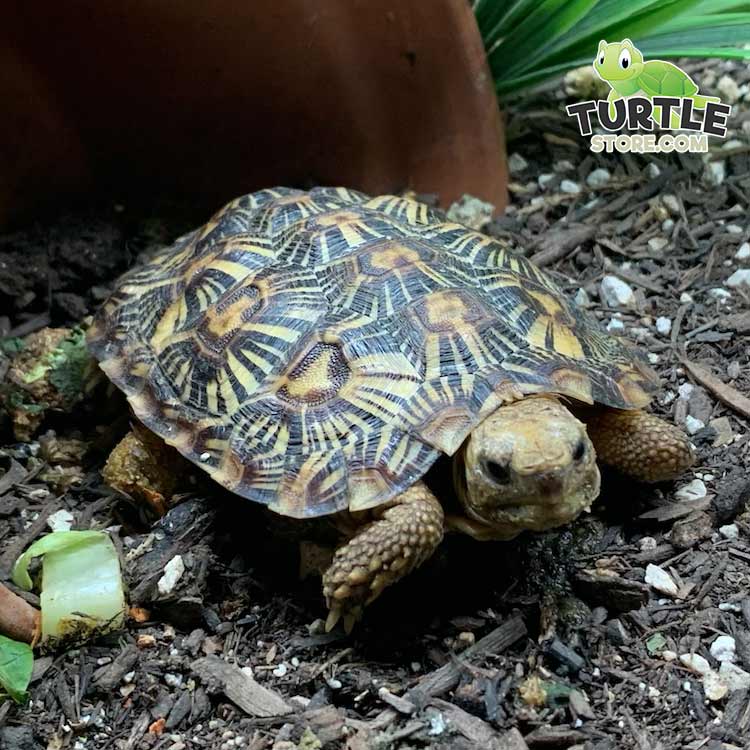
{"x": 382, "y": 552}
{"x": 640, "y": 444}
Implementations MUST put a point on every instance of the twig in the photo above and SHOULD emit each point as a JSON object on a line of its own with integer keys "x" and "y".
{"x": 447, "y": 676}
{"x": 725, "y": 393}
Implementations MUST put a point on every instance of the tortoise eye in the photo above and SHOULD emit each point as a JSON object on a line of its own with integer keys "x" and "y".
{"x": 579, "y": 451}
{"x": 601, "y": 59}
{"x": 497, "y": 472}
{"x": 625, "y": 59}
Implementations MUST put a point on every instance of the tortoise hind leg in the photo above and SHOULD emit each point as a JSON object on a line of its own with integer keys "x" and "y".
{"x": 640, "y": 444}
{"x": 381, "y": 552}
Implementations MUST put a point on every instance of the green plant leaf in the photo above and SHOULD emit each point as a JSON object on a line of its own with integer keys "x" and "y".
{"x": 16, "y": 663}
{"x": 531, "y": 41}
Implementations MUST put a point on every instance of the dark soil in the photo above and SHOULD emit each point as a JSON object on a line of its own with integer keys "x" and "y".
{"x": 587, "y": 655}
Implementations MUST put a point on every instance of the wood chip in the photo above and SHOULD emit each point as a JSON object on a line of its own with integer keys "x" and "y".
{"x": 561, "y": 240}
{"x": 240, "y": 687}
{"x": 447, "y": 676}
{"x": 725, "y": 393}
{"x": 401, "y": 705}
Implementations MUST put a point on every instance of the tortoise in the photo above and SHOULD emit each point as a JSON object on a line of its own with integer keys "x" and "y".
{"x": 621, "y": 65}
{"x": 316, "y": 352}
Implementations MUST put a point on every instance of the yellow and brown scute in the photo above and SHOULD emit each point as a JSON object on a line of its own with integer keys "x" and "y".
{"x": 317, "y": 350}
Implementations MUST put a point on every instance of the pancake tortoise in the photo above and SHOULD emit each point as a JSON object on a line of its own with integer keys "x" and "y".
{"x": 317, "y": 351}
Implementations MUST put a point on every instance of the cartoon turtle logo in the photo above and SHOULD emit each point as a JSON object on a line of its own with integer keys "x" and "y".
{"x": 621, "y": 65}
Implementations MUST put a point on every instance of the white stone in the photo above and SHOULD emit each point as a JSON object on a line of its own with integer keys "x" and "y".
{"x": 659, "y": 579}
{"x": 734, "y": 229}
{"x": 647, "y": 544}
{"x": 695, "y": 663}
{"x": 667, "y": 226}
{"x": 516, "y": 163}
{"x": 61, "y": 520}
{"x": 615, "y": 292}
{"x": 693, "y": 425}
{"x": 724, "y": 648}
{"x": 685, "y": 391}
{"x": 663, "y": 325}
{"x": 743, "y": 252}
{"x": 598, "y": 178}
{"x": 471, "y": 212}
{"x": 652, "y": 170}
{"x": 715, "y": 173}
{"x": 173, "y": 680}
{"x": 695, "y": 490}
{"x": 657, "y": 244}
{"x": 653, "y": 358}
{"x": 615, "y": 325}
{"x": 730, "y": 531}
{"x": 722, "y": 295}
{"x": 671, "y": 202}
{"x": 581, "y": 298}
{"x": 668, "y": 655}
{"x": 728, "y": 88}
{"x": 685, "y": 299}
{"x": 544, "y": 180}
{"x": 739, "y": 278}
{"x": 714, "y": 686}
{"x": 280, "y": 670}
{"x": 570, "y": 187}
{"x": 173, "y": 571}
{"x": 734, "y": 677}
{"x": 564, "y": 165}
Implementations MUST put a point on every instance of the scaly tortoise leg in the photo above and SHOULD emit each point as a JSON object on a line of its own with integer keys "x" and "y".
{"x": 381, "y": 552}
{"x": 640, "y": 444}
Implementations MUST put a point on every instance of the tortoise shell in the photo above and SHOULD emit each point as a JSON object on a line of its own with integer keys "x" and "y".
{"x": 316, "y": 351}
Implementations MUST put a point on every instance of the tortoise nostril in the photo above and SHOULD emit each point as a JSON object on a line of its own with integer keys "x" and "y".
{"x": 579, "y": 451}
{"x": 499, "y": 473}
{"x": 550, "y": 485}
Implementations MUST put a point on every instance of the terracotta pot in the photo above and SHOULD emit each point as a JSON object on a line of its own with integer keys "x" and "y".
{"x": 215, "y": 99}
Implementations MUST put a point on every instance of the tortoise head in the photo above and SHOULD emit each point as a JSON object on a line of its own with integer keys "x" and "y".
{"x": 618, "y": 61}
{"x": 529, "y": 465}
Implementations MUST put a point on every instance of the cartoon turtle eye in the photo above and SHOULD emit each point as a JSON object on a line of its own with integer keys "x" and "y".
{"x": 625, "y": 59}
{"x": 601, "y": 59}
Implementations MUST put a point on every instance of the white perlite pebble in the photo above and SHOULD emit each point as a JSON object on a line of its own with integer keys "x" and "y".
{"x": 615, "y": 292}
{"x": 598, "y": 178}
{"x": 471, "y": 212}
{"x": 659, "y": 579}
{"x": 743, "y": 253}
{"x": 653, "y": 358}
{"x": 581, "y": 298}
{"x": 61, "y": 520}
{"x": 714, "y": 686}
{"x": 734, "y": 229}
{"x": 657, "y": 244}
{"x": 281, "y": 670}
{"x": 516, "y": 163}
{"x": 719, "y": 294}
{"x": 685, "y": 299}
{"x": 695, "y": 490}
{"x": 173, "y": 571}
{"x": 693, "y": 425}
{"x": 739, "y": 278}
{"x": 715, "y": 172}
{"x": 615, "y": 325}
{"x": 685, "y": 390}
{"x": 671, "y": 202}
{"x": 723, "y": 648}
{"x": 667, "y": 226}
{"x": 652, "y": 170}
{"x": 570, "y": 187}
{"x": 695, "y": 663}
{"x": 668, "y": 655}
{"x": 544, "y": 180}
{"x": 734, "y": 677}
{"x": 728, "y": 88}
{"x": 564, "y": 165}
{"x": 664, "y": 326}
{"x": 730, "y": 531}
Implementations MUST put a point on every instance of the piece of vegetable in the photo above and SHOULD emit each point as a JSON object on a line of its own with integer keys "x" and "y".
{"x": 81, "y": 589}
{"x": 16, "y": 663}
